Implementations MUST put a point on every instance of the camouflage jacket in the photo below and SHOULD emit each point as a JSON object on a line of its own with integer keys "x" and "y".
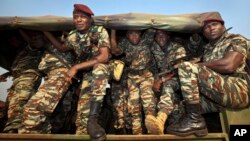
{"x": 227, "y": 43}
{"x": 51, "y": 61}
{"x": 88, "y": 44}
{"x": 27, "y": 59}
{"x": 166, "y": 55}
{"x": 138, "y": 56}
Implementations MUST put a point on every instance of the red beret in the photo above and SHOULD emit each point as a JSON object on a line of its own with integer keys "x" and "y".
{"x": 83, "y": 8}
{"x": 213, "y": 17}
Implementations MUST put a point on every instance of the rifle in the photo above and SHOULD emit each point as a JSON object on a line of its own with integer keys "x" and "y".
{"x": 175, "y": 64}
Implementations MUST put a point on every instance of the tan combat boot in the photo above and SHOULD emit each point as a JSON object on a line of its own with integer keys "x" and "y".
{"x": 155, "y": 125}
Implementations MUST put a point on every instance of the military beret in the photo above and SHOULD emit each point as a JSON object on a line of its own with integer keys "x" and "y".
{"x": 213, "y": 17}
{"x": 83, "y": 8}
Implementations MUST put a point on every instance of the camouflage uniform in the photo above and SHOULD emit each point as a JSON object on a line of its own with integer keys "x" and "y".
{"x": 230, "y": 91}
{"x": 119, "y": 92}
{"x": 169, "y": 99}
{"x": 37, "y": 112}
{"x": 140, "y": 79}
{"x": 94, "y": 81}
{"x": 195, "y": 49}
{"x": 26, "y": 80}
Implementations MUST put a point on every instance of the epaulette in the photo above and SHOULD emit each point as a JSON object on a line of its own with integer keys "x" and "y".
{"x": 96, "y": 28}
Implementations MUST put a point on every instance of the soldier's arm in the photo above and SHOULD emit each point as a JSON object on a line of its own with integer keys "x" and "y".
{"x": 148, "y": 36}
{"x": 57, "y": 44}
{"x": 103, "y": 57}
{"x": 226, "y": 65}
{"x": 25, "y": 36}
{"x": 113, "y": 43}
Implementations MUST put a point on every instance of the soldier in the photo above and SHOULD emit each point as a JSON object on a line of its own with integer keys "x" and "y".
{"x": 26, "y": 78}
{"x": 220, "y": 77}
{"x": 91, "y": 46}
{"x": 140, "y": 79}
{"x": 166, "y": 52}
{"x": 38, "y": 109}
{"x": 119, "y": 95}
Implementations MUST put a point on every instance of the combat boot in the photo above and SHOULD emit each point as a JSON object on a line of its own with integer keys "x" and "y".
{"x": 191, "y": 123}
{"x": 177, "y": 113}
{"x": 155, "y": 125}
{"x": 96, "y": 132}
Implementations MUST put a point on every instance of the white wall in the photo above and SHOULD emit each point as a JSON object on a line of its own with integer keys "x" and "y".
{"x": 4, "y": 85}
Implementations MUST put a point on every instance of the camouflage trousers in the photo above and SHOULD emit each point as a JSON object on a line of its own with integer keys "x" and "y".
{"x": 226, "y": 91}
{"x": 169, "y": 97}
{"x": 93, "y": 87}
{"x": 23, "y": 87}
{"x": 64, "y": 115}
{"x": 140, "y": 93}
{"x": 37, "y": 112}
{"x": 120, "y": 104}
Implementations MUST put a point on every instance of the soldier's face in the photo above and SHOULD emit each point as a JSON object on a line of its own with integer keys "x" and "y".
{"x": 81, "y": 21}
{"x": 37, "y": 40}
{"x": 134, "y": 36}
{"x": 16, "y": 42}
{"x": 161, "y": 38}
{"x": 213, "y": 30}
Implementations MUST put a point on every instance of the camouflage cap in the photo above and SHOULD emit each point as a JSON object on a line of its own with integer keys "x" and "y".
{"x": 83, "y": 8}
{"x": 213, "y": 17}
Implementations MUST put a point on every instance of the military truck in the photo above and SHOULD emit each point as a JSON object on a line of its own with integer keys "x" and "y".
{"x": 182, "y": 25}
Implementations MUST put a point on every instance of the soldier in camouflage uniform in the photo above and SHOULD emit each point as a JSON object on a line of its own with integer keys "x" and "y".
{"x": 140, "y": 79}
{"x": 26, "y": 78}
{"x": 220, "y": 77}
{"x": 37, "y": 112}
{"x": 119, "y": 95}
{"x": 91, "y": 45}
{"x": 166, "y": 52}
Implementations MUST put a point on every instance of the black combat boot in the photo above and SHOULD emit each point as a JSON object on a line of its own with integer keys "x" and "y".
{"x": 96, "y": 132}
{"x": 192, "y": 123}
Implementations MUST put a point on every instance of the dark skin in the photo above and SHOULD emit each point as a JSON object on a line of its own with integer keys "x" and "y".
{"x": 35, "y": 39}
{"x": 161, "y": 38}
{"x": 82, "y": 23}
{"x": 134, "y": 37}
{"x": 213, "y": 30}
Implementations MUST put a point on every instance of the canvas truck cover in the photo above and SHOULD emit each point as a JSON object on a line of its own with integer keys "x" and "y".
{"x": 176, "y": 23}
{"x": 185, "y": 23}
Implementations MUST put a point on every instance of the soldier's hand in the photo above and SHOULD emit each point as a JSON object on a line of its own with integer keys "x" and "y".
{"x": 70, "y": 74}
{"x": 157, "y": 85}
{"x": 3, "y": 79}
